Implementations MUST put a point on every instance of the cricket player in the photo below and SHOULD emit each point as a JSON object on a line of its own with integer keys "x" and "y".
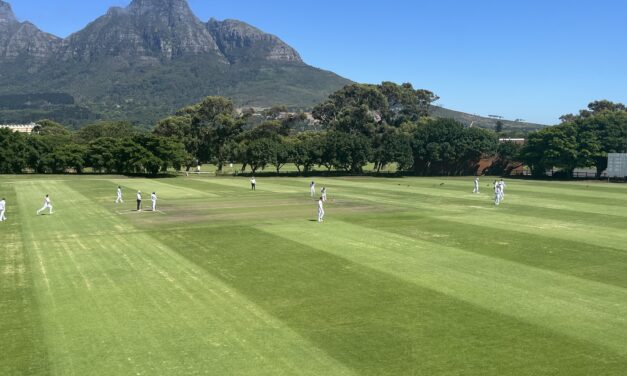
{"x": 3, "y": 205}
{"x": 323, "y": 192}
{"x": 502, "y": 184}
{"x": 47, "y": 205}
{"x": 253, "y": 184}
{"x": 312, "y": 189}
{"x": 320, "y": 211}
{"x": 153, "y": 198}
{"x": 119, "y": 199}
{"x": 476, "y": 190}
{"x": 139, "y": 201}
{"x": 497, "y": 193}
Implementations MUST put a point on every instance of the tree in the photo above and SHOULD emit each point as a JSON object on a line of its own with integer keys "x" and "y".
{"x": 101, "y": 154}
{"x": 499, "y": 126}
{"x": 395, "y": 147}
{"x": 164, "y": 152}
{"x": 207, "y": 129}
{"x": 506, "y": 157}
{"x": 552, "y": 147}
{"x": 259, "y": 153}
{"x": 14, "y": 152}
{"x": 346, "y": 151}
{"x": 109, "y": 129}
{"x": 306, "y": 151}
{"x": 445, "y": 147}
{"x": 50, "y": 128}
{"x": 282, "y": 153}
{"x": 406, "y": 104}
{"x": 351, "y": 96}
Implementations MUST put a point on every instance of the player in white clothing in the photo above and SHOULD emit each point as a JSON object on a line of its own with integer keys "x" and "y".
{"x": 47, "y": 205}
{"x": 502, "y": 185}
{"x": 153, "y": 197}
{"x": 476, "y": 190}
{"x": 253, "y": 183}
{"x": 139, "y": 201}
{"x": 497, "y": 194}
{"x": 119, "y": 199}
{"x": 3, "y": 205}
{"x": 312, "y": 189}
{"x": 320, "y": 210}
{"x": 323, "y": 192}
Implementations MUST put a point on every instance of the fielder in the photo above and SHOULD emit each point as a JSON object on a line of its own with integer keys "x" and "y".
{"x": 312, "y": 189}
{"x": 323, "y": 192}
{"x": 502, "y": 184}
{"x": 476, "y": 190}
{"x": 119, "y": 199}
{"x": 497, "y": 194}
{"x": 47, "y": 205}
{"x": 320, "y": 211}
{"x": 139, "y": 201}
{"x": 253, "y": 184}
{"x": 3, "y": 205}
{"x": 153, "y": 198}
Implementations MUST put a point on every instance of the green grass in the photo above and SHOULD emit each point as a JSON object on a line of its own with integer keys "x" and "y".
{"x": 406, "y": 276}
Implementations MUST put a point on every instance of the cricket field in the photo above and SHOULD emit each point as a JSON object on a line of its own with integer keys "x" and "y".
{"x": 406, "y": 276}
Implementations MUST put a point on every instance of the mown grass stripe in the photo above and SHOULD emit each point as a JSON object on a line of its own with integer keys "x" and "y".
{"x": 582, "y": 309}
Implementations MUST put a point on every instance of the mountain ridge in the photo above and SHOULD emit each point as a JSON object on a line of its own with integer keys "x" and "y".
{"x": 146, "y": 60}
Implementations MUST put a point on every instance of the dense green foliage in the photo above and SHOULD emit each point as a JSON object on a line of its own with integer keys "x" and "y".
{"x": 360, "y": 124}
{"x": 582, "y": 140}
{"x": 105, "y": 147}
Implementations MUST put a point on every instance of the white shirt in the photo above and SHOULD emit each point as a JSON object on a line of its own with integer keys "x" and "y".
{"x": 320, "y": 205}
{"x": 153, "y": 197}
{"x": 139, "y": 196}
{"x": 47, "y": 201}
{"x": 119, "y": 192}
{"x": 2, "y": 204}
{"x": 253, "y": 181}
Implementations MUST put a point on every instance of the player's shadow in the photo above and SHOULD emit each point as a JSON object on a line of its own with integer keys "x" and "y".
{"x": 313, "y": 220}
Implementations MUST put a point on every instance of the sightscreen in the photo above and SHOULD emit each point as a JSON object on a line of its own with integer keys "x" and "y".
{"x": 617, "y": 165}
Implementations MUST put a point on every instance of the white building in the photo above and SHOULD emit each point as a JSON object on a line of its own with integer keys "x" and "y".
{"x": 22, "y": 128}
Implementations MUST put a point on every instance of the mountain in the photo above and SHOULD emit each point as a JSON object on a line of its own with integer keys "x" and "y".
{"x": 144, "y": 61}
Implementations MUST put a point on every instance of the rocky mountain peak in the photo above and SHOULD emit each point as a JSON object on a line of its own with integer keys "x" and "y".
{"x": 176, "y": 7}
{"x": 6, "y": 13}
{"x": 240, "y": 41}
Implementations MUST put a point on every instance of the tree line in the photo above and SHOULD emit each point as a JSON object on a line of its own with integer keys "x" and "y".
{"x": 580, "y": 141}
{"x": 108, "y": 147}
{"x": 360, "y": 124}
{"x": 357, "y": 125}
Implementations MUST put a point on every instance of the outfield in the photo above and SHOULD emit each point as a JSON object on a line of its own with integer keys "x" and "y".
{"x": 405, "y": 276}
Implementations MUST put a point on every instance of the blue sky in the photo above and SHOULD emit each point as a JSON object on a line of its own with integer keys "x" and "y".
{"x": 534, "y": 60}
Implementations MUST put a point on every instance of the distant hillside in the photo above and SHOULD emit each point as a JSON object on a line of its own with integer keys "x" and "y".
{"x": 484, "y": 122}
{"x": 145, "y": 61}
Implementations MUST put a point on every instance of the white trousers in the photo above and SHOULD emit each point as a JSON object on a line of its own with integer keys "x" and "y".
{"x": 312, "y": 191}
{"x": 320, "y": 215}
{"x": 119, "y": 199}
{"x": 44, "y": 208}
{"x": 2, "y": 217}
{"x": 476, "y": 190}
{"x": 154, "y": 206}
